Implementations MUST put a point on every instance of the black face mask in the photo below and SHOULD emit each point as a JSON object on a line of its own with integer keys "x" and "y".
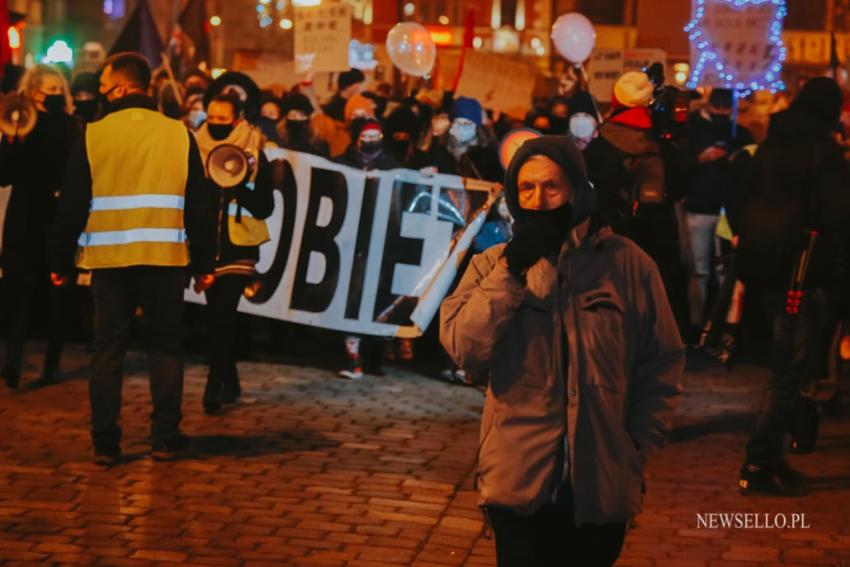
{"x": 369, "y": 151}
{"x": 297, "y": 128}
{"x": 54, "y": 103}
{"x": 560, "y": 218}
{"x": 86, "y": 109}
{"x": 219, "y": 132}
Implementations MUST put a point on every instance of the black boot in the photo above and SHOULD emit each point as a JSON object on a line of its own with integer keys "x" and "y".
{"x": 804, "y": 433}
{"x": 12, "y": 375}
{"x": 777, "y": 479}
{"x": 212, "y": 395}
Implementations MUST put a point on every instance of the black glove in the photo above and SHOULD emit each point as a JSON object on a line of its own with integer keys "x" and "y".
{"x": 534, "y": 238}
{"x": 536, "y": 235}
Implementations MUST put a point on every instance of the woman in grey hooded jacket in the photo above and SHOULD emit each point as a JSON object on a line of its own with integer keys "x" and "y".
{"x": 585, "y": 359}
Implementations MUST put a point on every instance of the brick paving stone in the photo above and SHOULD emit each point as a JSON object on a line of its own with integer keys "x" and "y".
{"x": 315, "y": 471}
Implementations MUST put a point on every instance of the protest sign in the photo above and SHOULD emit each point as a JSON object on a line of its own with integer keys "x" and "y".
{"x": 363, "y": 252}
{"x": 736, "y": 44}
{"x": 269, "y": 70}
{"x": 322, "y": 36}
{"x": 606, "y": 66}
{"x": 497, "y": 82}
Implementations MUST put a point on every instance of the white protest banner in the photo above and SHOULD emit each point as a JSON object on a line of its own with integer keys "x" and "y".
{"x": 363, "y": 252}
{"x": 497, "y": 82}
{"x": 736, "y": 44}
{"x": 606, "y": 65}
{"x": 322, "y": 35}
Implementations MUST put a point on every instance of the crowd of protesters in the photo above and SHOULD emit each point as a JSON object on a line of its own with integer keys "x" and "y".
{"x": 716, "y": 212}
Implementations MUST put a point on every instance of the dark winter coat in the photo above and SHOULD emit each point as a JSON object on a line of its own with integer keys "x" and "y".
{"x": 35, "y": 168}
{"x": 585, "y": 355}
{"x": 800, "y": 183}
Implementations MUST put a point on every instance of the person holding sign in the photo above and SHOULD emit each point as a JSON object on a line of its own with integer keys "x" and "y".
{"x": 585, "y": 364}
{"x": 241, "y": 209}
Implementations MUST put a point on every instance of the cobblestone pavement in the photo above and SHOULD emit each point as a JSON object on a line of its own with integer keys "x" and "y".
{"x": 313, "y": 470}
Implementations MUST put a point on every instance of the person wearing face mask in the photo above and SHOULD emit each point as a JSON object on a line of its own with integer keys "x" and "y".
{"x": 136, "y": 210}
{"x": 86, "y": 100}
{"x": 241, "y": 212}
{"x": 474, "y": 154}
{"x": 365, "y": 354}
{"x": 712, "y": 143}
{"x": 558, "y": 112}
{"x": 401, "y": 129}
{"x": 296, "y": 131}
{"x": 34, "y": 166}
{"x": 585, "y": 364}
{"x": 348, "y": 84}
{"x": 194, "y": 114}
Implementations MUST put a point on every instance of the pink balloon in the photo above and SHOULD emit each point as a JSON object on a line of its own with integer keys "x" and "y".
{"x": 574, "y": 37}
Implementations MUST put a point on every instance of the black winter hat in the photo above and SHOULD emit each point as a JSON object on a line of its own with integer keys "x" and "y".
{"x": 721, "y": 98}
{"x": 296, "y": 101}
{"x": 820, "y": 99}
{"x": 350, "y": 77}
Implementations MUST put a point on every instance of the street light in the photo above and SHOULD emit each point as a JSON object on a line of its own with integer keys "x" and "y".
{"x": 215, "y": 21}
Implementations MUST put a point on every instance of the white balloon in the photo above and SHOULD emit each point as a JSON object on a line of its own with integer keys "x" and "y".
{"x": 411, "y": 48}
{"x": 574, "y": 37}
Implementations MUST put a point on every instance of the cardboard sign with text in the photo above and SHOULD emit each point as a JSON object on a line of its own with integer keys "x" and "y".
{"x": 497, "y": 83}
{"x": 322, "y": 35}
{"x": 606, "y": 66}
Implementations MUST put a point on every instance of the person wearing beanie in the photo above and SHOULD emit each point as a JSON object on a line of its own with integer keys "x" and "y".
{"x": 358, "y": 106}
{"x": 295, "y": 130}
{"x": 348, "y": 84}
{"x": 469, "y": 146}
{"x": 714, "y": 140}
{"x": 401, "y": 135}
{"x": 799, "y": 185}
{"x": 585, "y": 367}
{"x": 637, "y": 178}
{"x": 366, "y": 152}
{"x": 84, "y": 91}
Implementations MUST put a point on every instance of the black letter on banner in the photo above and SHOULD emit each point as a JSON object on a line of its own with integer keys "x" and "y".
{"x": 398, "y": 249}
{"x": 361, "y": 248}
{"x": 316, "y": 297}
{"x": 269, "y": 281}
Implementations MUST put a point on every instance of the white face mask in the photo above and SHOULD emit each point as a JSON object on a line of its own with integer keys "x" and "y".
{"x": 196, "y": 118}
{"x": 463, "y": 130}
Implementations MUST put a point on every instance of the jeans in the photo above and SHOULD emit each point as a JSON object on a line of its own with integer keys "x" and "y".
{"x": 117, "y": 293}
{"x": 799, "y": 354}
{"x": 222, "y": 300}
{"x": 703, "y": 241}
{"x": 550, "y": 538}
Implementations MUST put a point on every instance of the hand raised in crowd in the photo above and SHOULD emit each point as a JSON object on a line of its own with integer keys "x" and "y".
{"x": 712, "y": 153}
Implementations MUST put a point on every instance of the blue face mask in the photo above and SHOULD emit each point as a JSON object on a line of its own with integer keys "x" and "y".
{"x": 196, "y": 118}
{"x": 463, "y": 132}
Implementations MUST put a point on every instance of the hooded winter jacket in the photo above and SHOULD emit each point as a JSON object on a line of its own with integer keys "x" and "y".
{"x": 585, "y": 356}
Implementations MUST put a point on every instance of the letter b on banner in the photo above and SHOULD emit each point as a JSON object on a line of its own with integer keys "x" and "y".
{"x": 318, "y": 238}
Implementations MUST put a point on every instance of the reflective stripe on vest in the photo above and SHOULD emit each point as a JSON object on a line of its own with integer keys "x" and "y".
{"x": 149, "y": 201}
{"x": 111, "y": 238}
{"x": 233, "y": 208}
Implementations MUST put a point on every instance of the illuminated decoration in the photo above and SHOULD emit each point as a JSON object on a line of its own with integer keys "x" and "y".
{"x": 477, "y": 42}
{"x": 759, "y": 59}
{"x": 306, "y": 2}
{"x": 444, "y": 20}
{"x": 441, "y": 37}
{"x": 496, "y": 14}
{"x": 680, "y": 73}
{"x": 512, "y": 142}
{"x": 115, "y": 9}
{"x": 14, "y": 37}
{"x": 217, "y": 72}
{"x": 409, "y": 9}
{"x": 59, "y": 52}
{"x": 285, "y": 24}
{"x": 519, "y": 19}
{"x": 215, "y": 21}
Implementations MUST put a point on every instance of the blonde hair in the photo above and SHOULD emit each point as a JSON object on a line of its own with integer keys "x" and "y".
{"x": 31, "y": 81}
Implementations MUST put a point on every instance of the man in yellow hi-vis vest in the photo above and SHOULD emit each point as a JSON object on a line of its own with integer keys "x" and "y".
{"x": 136, "y": 211}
